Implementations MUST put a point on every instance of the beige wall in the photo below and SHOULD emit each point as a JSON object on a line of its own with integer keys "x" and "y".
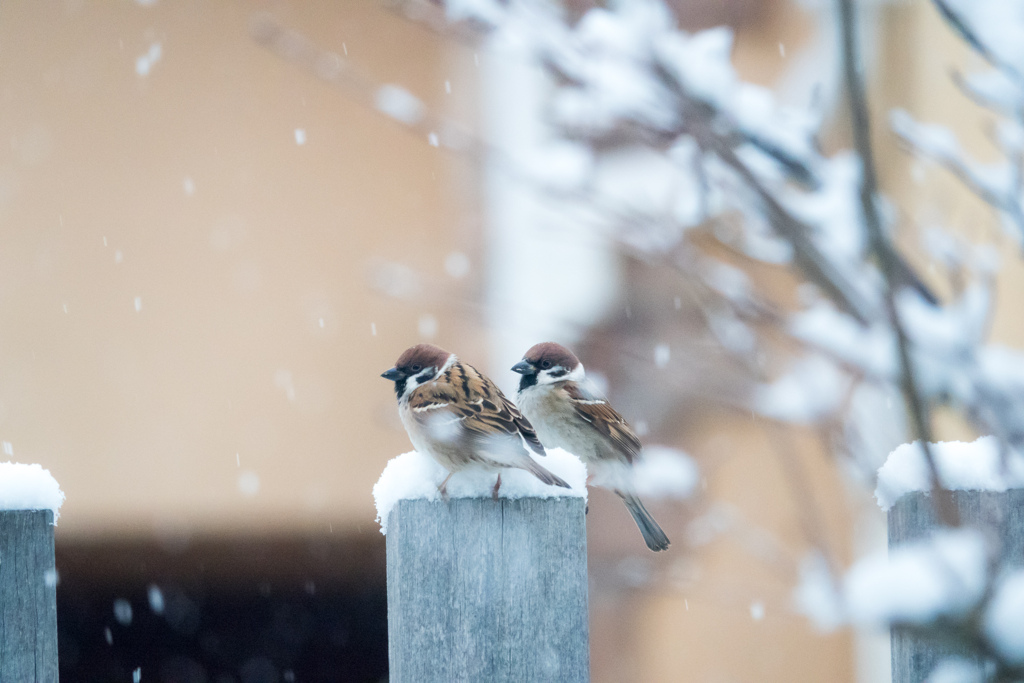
{"x": 140, "y": 414}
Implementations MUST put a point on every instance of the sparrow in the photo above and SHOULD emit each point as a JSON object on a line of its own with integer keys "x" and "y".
{"x": 460, "y": 418}
{"x": 568, "y": 413}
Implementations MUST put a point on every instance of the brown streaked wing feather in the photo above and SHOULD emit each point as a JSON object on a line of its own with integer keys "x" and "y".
{"x": 600, "y": 415}
{"x": 433, "y": 399}
{"x": 497, "y": 414}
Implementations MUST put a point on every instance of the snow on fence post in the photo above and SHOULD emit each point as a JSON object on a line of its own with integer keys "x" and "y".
{"x": 30, "y": 501}
{"x": 998, "y": 514}
{"x": 986, "y": 489}
{"x": 28, "y": 597}
{"x": 482, "y": 589}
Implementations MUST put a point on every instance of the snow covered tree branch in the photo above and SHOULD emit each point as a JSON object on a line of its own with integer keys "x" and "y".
{"x": 625, "y": 82}
{"x": 654, "y": 141}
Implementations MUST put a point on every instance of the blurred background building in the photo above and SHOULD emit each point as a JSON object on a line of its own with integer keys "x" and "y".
{"x": 208, "y": 254}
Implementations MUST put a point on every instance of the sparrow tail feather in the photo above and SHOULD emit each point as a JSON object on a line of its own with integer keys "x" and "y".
{"x": 531, "y": 466}
{"x": 653, "y": 535}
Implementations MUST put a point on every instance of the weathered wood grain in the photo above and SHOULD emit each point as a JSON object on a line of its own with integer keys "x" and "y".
{"x": 28, "y": 597}
{"x": 999, "y": 515}
{"x": 483, "y": 590}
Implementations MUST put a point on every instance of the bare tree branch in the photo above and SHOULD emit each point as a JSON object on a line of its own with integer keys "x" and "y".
{"x": 886, "y": 254}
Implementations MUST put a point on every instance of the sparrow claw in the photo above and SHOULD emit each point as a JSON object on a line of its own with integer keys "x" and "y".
{"x": 443, "y": 488}
{"x": 497, "y": 485}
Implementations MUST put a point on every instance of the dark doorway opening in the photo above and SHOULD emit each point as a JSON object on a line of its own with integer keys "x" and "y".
{"x": 220, "y": 610}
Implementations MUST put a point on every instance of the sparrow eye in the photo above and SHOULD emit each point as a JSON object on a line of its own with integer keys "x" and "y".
{"x": 417, "y": 367}
{"x": 545, "y": 364}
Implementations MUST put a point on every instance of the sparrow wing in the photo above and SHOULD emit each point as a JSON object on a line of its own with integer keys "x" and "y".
{"x": 524, "y": 426}
{"x": 599, "y": 414}
{"x": 462, "y": 404}
{"x": 494, "y": 415}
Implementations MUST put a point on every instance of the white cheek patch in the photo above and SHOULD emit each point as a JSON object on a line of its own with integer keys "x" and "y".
{"x": 419, "y": 380}
{"x": 546, "y": 376}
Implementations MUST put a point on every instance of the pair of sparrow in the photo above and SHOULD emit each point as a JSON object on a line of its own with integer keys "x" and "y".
{"x": 459, "y": 417}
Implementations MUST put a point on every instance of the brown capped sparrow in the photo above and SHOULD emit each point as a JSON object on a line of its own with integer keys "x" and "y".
{"x": 568, "y": 413}
{"x": 460, "y": 418}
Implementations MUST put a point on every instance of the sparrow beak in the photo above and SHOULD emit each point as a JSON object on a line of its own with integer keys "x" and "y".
{"x": 394, "y": 374}
{"x": 524, "y": 368}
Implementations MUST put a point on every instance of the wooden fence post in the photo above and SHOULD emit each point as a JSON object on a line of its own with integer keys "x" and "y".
{"x": 484, "y": 590}
{"x": 998, "y": 514}
{"x": 28, "y": 597}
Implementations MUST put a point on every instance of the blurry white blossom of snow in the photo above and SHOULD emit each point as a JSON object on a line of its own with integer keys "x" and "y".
{"x": 156, "y": 598}
{"x": 636, "y": 180}
{"x": 956, "y": 670}
{"x": 443, "y": 426}
{"x": 189, "y": 186}
{"x": 285, "y": 381}
{"x": 973, "y": 466}
{"x": 812, "y": 389}
{"x": 871, "y": 349}
{"x": 8, "y": 448}
{"x": 729, "y": 281}
{"x": 702, "y": 64}
{"x": 817, "y": 595}
{"x": 997, "y": 88}
{"x": 123, "y": 611}
{"x": 145, "y": 62}
{"x": 300, "y": 136}
{"x": 427, "y": 326}
{"x": 943, "y": 575}
{"x": 456, "y": 264}
{"x": 731, "y": 332}
{"x": 137, "y": 674}
{"x": 249, "y": 483}
{"x": 138, "y": 304}
{"x": 433, "y": 140}
{"x": 996, "y": 23}
{"x": 399, "y": 104}
{"x": 1002, "y": 370}
{"x": 607, "y": 59}
{"x": 417, "y": 476}
{"x": 757, "y": 610}
{"x": 486, "y": 12}
{"x": 662, "y": 355}
{"x": 559, "y": 165}
{"x": 950, "y": 328}
{"x": 665, "y": 472}
{"x": 1004, "y": 619}
{"x": 396, "y": 280}
{"x": 833, "y": 210}
{"x": 933, "y": 140}
{"x": 939, "y": 143}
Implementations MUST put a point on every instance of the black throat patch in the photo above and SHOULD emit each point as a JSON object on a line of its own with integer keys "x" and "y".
{"x": 528, "y": 381}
